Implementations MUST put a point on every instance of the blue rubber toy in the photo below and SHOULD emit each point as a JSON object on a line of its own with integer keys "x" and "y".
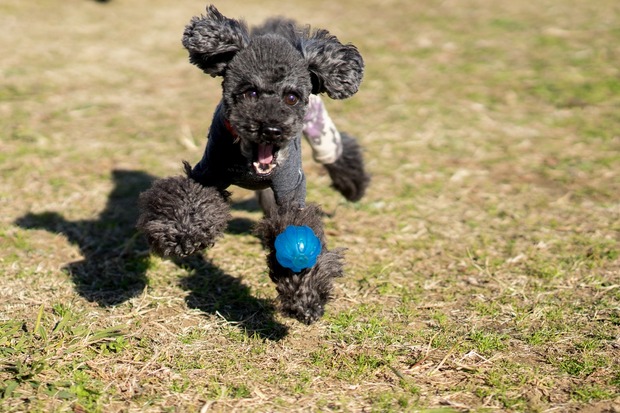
{"x": 297, "y": 248}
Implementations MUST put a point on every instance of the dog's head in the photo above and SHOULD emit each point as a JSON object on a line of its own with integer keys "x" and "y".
{"x": 269, "y": 75}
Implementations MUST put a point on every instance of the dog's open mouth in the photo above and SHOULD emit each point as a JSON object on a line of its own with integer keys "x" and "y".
{"x": 265, "y": 159}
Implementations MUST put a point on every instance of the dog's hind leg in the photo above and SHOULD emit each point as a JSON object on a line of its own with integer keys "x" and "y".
{"x": 347, "y": 172}
{"x": 302, "y": 295}
{"x": 267, "y": 200}
{"x": 338, "y": 152}
{"x": 180, "y": 217}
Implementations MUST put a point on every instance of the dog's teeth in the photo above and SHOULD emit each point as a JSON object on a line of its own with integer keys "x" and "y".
{"x": 263, "y": 168}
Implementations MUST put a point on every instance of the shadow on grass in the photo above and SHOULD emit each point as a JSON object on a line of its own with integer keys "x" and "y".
{"x": 116, "y": 260}
{"x": 114, "y": 265}
{"x": 215, "y": 292}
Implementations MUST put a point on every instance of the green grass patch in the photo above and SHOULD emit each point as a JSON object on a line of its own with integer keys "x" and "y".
{"x": 481, "y": 266}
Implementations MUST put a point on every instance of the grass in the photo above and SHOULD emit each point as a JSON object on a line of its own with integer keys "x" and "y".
{"x": 483, "y": 266}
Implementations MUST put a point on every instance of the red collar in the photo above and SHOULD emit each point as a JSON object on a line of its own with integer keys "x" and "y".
{"x": 230, "y": 129}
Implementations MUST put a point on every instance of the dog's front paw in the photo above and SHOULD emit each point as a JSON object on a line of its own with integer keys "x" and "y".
{"x": 180, "y": 217}
{"x": 304, "y": 295}
{"x": 307, "y": 314}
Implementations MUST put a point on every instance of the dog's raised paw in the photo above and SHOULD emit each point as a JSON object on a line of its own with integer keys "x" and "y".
{"x": 180, "y": 217}
{"x": 304, "y": 295}
{"x": 348, "y": 174}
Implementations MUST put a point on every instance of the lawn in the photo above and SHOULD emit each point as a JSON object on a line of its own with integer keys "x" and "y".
{"x": 483, "y": 265}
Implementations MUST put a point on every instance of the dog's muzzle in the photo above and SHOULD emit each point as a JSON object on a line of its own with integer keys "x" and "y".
{"x": 266, "y": 153}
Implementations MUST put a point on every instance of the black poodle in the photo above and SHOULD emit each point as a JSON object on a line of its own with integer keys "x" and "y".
{"x": 272, "y": 76}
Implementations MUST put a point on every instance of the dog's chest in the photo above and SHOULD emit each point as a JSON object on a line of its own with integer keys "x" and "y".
{"x": 233, "y": 167}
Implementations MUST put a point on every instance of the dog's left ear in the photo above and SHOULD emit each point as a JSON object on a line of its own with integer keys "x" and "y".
{"x": 213, "y": 40}
{"x": 335, "y": 68}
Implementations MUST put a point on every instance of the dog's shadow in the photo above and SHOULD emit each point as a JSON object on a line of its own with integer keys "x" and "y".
{"x": 116, "y": 259}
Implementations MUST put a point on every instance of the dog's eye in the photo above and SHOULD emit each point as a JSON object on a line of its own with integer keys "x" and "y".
{"x": 291, "y": 99}
{"x": 250, "y": 94}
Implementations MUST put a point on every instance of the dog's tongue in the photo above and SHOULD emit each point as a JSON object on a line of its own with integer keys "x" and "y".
{"x": 265, "y": 154}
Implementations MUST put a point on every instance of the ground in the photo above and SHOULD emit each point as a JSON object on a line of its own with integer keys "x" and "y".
{"x": 483, "y": 266}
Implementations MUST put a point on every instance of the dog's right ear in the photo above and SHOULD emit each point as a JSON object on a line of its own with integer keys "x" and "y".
{"x": 334, "y": 67}
{"x": 213, "y": 40}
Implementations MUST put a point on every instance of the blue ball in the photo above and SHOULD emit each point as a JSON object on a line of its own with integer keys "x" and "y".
{"x": 297, "y": 248}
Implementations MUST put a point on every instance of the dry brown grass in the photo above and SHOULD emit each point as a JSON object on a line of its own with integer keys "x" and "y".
{"x": 483, "y": 265}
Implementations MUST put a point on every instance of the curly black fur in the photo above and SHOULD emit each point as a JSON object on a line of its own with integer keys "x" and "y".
{"x": 181, "y": 217}
{"x": 213, "y": 40}
{"x": 254, "y": 142}
{"x": 269, "y": 228}
{"x": 347, "y": 173}
{"x": 302, "y": 295}
{"x": 336, "y": 69}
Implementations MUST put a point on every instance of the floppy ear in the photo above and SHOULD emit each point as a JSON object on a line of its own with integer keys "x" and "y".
{"x": 335, "y": 68}
{"x": 213, "y": 40}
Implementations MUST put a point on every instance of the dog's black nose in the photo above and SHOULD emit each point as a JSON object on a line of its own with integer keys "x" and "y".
{"x": 271, "y": 132}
